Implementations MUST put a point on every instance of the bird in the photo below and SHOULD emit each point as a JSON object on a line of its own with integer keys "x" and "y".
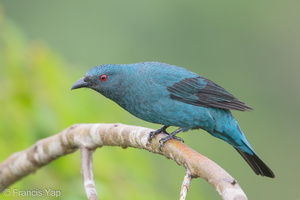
{"x": 170, "y": 95}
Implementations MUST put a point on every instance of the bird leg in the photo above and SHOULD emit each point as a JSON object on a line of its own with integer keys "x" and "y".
{"x": 170, "y": 136}
{"x": 154, "y": 133}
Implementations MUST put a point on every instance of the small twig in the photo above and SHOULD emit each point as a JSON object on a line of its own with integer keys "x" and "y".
{"x": 87, "y": 173}
{"x": 185, "y": 184}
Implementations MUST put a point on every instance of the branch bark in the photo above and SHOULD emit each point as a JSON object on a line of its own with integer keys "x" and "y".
{"x": 91, "y": 136}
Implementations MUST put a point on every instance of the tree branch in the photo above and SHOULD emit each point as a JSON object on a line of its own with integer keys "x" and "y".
{"x": 87, "y": 173}
{"x": 91, "y": 136}
{"x": 185, "y": 184}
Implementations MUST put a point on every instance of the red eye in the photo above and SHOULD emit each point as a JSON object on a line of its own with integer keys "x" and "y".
{"x": 103, "y": 77}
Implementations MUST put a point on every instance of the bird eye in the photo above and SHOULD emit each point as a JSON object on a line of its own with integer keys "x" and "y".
{"x": 103, "y": 77}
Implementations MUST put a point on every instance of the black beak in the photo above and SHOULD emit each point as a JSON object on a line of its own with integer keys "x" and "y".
{"x": 80, "y": 84}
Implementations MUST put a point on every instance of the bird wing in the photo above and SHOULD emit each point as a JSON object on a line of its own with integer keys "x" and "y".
{"x": 200, "y": 91}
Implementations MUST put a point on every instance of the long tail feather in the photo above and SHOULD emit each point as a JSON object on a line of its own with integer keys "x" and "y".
{"x": 258, "y": 166}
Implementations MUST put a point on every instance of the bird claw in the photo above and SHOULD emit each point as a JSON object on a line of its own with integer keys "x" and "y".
{"x": 169, "y": 137}
{"x": 152, "y": 134}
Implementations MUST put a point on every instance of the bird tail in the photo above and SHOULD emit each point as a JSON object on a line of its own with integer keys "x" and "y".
{"x": 258, "y": 166}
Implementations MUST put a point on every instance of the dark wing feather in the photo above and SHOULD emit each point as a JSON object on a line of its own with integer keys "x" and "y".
{"x": 200, "y": 91}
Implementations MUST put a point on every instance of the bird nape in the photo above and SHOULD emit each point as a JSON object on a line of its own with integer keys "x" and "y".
{"x": 173, "y": 96}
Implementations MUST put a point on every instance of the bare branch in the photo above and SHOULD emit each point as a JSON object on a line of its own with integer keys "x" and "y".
{"x": 185, "y": 184}
{"x": 87, "y": 173}
{"x": 91, "y": 136}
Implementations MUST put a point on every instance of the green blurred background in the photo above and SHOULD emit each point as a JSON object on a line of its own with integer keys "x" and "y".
{"x": 249, "y": 47}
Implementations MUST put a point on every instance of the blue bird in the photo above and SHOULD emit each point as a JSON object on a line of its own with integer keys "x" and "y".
{"x": 173, "y": 96}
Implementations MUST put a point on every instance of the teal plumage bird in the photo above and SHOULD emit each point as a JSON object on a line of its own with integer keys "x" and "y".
{"x": 173, "y": 96}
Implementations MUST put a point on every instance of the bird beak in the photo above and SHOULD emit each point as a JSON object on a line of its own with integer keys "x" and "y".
{"x": 80, "y": 84}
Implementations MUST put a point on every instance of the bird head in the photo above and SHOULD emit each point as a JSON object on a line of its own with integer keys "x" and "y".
{"x": 105, "y": 79}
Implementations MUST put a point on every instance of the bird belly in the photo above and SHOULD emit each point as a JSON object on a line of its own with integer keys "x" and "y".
{"x": 174, "y": 113}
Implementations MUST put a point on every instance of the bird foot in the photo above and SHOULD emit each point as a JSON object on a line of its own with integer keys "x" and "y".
{"x": 169, "y": 137}
{"x": 154, "y": 133}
